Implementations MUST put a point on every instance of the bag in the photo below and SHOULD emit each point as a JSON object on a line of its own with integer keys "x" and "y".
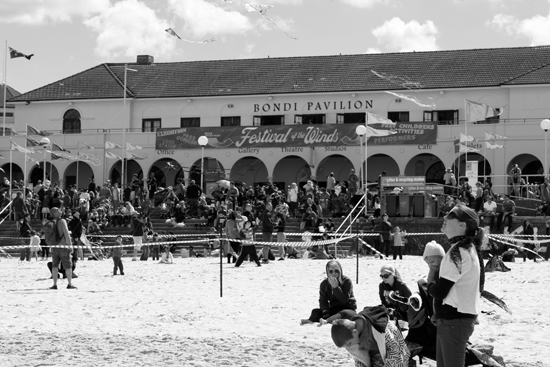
{"x": 51, "y": 233}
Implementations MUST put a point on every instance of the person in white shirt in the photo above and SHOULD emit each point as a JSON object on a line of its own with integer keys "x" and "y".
{"x": 490, "y": 210}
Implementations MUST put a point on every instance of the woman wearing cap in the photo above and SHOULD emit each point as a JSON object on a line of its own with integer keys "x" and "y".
{"x": 336, "y": 299}
{"x": 457, "y": 292}
{"x": 393, "y": 292}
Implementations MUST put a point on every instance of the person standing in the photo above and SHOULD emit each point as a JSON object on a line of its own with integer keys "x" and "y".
{"x": 63, "y": 254}
{"x": 75, "y": 227}
{"x": 193, "y": 194}
{"x": 515, "y": 174}
{"x": 353, "y": 181}
{"x": 117, "y": 256}
{"x": 386, "y": 231}
{"x": 152, "y": 187}
{"x": 248, "y": 248}
{"x": 457, "y": 292}
{"x": 508, "y": 213}
{"x": 19, "y": 208}
{"x": 137, "y": 233}
{"x": 267, "y": 231}
{"x": 331, "y": 183}
{"x": 450, "y": 182}
{"x": 233, "y": 194}
{"x": 281, "y": 237}
{"x": 398, "y": 243}
{"x": 293, "y": 199}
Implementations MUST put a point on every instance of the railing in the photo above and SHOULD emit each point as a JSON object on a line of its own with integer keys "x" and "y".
{"x": 8, "y": 205}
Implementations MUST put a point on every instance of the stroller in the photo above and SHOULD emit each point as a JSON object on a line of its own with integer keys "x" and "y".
{"x": 422, "y": 335}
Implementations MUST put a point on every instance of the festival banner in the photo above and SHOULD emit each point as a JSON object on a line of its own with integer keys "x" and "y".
{"x": 291, "y": 136}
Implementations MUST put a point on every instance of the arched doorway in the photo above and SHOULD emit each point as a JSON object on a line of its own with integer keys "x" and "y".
{"x": 250, "y": 170}
{"x": 132, "y": 167}
{"x": 79, "y": 174}
{"x": 37, "y": 173}
{"x": 531, "y": 168}
{"x": 213, "y": 172}
{"x": 378, "y": 163}
{"x": 484, "y": 169}
{"x": 337, "y": 164}
{"x": 291, "y": 169}
{"x": 16, "y": 172}
{"x": 167, "y": 172}
{"x": 427, "y": 165}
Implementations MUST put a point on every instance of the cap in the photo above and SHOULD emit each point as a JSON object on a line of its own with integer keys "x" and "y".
{"x": 55, "y": 209}
{"x": 433, "y": 249}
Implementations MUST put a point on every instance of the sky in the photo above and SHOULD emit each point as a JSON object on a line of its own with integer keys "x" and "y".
{"x": 70, "y": 36}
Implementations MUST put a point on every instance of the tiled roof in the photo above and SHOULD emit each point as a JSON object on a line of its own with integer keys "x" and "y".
{"x": 10, "y": 92}
{"x": 315, "y": 74}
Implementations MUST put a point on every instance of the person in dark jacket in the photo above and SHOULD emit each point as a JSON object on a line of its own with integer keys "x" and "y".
{"x": 75, "y": 227}
{"x": 393, "y": 293}
{"x": 336, "y": 299}
{"x": 385, "y": 231}
{"x": 193, "y": 194}
{"x": 137, "y": 233}
{"x": 25, "y": 229}
{"x": 268, "y": 221}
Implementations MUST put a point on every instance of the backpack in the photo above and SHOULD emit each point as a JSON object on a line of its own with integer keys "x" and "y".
{"x": 51, "y": 233}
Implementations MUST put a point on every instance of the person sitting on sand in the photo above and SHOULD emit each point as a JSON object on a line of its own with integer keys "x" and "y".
{"x": 393, "y": 292}
{"x": 336, "y": 299}
{"x": 371, "y": 338}
{"x": 167, "y": 257}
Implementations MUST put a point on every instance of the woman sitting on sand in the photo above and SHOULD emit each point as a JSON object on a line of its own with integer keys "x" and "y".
{"x": 336, "y": 299}
{"x": 393, "y": 292}
{"x": 167, "y": 257}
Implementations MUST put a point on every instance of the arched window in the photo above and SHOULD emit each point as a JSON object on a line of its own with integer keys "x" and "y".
{"x": 71, "y": 122}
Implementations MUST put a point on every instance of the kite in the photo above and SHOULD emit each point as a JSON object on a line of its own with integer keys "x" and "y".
{"x": 402, "y": 81}
{"x": 173, "y": 33}
{"x": 170, "y": 166}
{"x": 262, "y": 9}
{"x": 412, "y": 99}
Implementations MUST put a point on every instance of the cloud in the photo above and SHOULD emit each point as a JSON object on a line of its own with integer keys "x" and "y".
{"x": 130, "y": 28}
{"x": 364, "y": 3}
{"x": 38, "y": 12}
{"x": 373, "y": 50}
{"x": 535, "y": 28}
{"x": 203, "y": 18}
{"x": 399, "y": 36}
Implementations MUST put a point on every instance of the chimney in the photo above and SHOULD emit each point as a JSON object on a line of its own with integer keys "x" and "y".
{"x": 145, "y": 59}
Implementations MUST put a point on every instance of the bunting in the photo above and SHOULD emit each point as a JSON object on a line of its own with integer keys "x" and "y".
{"x": 493, "y": 146}
{"x": 476, "y": 111}
{"x": 109, "y": 145}
{"x": 133, "y": 147}
{"x": 84, "y": 146}
{"x": 34, "y": 131}
{"x": 375, "y": 119}
{"x": 59, "y": 148}
{"x": 15, "y": 146}
{"x": 134, "y": 156}
{"x": 111, "y": 156}
{"x": 465, "y": 138}
{"x": 466, "y": 149}
{"x": 491, "y": 136}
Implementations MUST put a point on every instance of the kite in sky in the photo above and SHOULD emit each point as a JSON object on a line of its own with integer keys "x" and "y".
{"x": 412, "y": 99}
{"x": 173, "y": 33}
{"x": 402, "y": 81}
{"x": 262, "y": 9}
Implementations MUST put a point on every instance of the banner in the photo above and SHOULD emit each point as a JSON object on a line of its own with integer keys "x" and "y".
{"x": 291, "y": 136}
{"x": 409, "y": 184}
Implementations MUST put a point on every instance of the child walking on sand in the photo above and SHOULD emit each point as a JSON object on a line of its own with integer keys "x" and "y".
{"x": 117, "y": 256}
{"x": 34, "y": 245}
{"x": 398, "y": 243}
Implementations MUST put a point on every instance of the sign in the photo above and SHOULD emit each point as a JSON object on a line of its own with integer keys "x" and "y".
{"x": 409, "y": 133}
{"x": 258, "y": 136}
{"x": 410, "y": 184}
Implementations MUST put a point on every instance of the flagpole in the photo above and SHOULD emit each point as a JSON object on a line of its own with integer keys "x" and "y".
{"x": 11, "y": 167}
{"x": 122, "y": 185}
{"x": 466, "y": 133}
{"x": 5, "y": 81}
{"x": 77, "y": 162}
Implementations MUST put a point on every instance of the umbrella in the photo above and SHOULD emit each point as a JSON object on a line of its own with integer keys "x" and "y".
{"x": 223, "y": 183}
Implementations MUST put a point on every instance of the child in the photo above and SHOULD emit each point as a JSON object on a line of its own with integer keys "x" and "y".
{"x": 155, "y": 247}
{"x": 117, "y": 256}
{"x": 365, "y": 332}
{"x": 167, "y": 257}
{"x": 35, "y": 245}
{"x": 398, "y": 243}
{"x": 248, "y": 248}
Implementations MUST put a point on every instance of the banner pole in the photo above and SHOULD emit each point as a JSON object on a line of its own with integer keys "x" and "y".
{"x": 5, "y": 82}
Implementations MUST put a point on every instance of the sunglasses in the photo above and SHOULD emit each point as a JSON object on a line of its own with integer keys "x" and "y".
{"x": 385, "y": 276}
{"x": 334, "y": 271}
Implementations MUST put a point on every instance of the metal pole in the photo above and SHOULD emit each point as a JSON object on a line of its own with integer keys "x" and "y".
{"x": 221, "y": 262}
{"x": 44, "y": 168}
{"x": 202, "y": 168}
{"x": 357, "y": 264}
{"x": 545, "y": 156}
{"x": 5, "y": 82}
{"x": 123, "y": 175}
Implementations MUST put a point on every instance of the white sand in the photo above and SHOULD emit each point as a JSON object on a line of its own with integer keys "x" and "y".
{"x": 172, "y": 315}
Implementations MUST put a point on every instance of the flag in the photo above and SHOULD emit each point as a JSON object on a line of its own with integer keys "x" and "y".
{"x": 109, "y": 145}
{"x": 465, "y": 138}
{"x": 171, "y": 32}
{"x": 491, "y": 136}
{"x": 134, "y": 156}
{"x": 1, "y": 157}
{"x": 132, "y": 147}
{"x": 31, "y": 159}
{"x": 375, "y": 119}
{"x": 493, "y": 146}
{"x": 33, "y": 143}
{"x": 57, "y": 156}
{"x": 476, "y": 111}
{"x": 14, "y": 53}
{"x": 15, "y": 146}
{"x": 378, "y": 132}
{"x": 111, "y": 156}
{"x": 456, "y": 143}
{"x": 34, "y": 131}
{"x": 59, "y": 148}
{"x": 466, "y": 149}
{"x": 84, "y": 146}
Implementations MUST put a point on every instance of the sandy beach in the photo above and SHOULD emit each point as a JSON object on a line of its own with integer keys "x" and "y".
{"x": 172, "y": 315}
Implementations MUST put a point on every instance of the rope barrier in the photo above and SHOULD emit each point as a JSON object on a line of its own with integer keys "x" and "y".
{"x": 373, "y": 249}
{"x": 517, "y": 246}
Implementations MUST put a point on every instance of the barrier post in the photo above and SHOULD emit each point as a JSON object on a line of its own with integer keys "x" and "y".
{"x": 357, "y": 241}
